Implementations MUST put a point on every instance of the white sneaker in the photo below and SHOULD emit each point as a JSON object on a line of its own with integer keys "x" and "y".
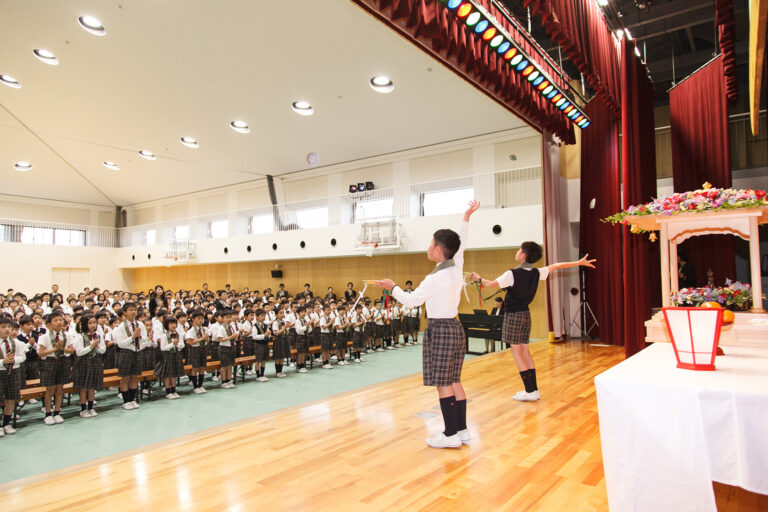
{"x": 145, "y": 391}
{"x": 465, "y": 435}
{"x": 334, "y": 358}
{"x": 327, "y": 367}
{"x": 196, "y": 391}
{"x": 135, "y": 404}
{"x": 522, "y": 396}
{"x": 92, "y": 413}
{"x": 1, "y": 433}
{"x": 280, "y": 375}
{"x": 379, "y": 349}
{"x": 318, "y": 360}
{"x": 128, "y": 406}
{"x": 95, "y": 402}
{"x": 262, "y": 379}
{"x": 42, "y": 410}
{"x": 362, "y": 360}
{"x": 441, "y": 441}
{"x": 303, "y": 370}
{"x": 357, "y": 360}
{"x": 49, "y": 420}
{"x": 292, "y": 365}
{"x": 390, "y": 348}
{"x": 227, "y": 385}
{"x": 8, "y": 429}
{"x": 32, "y": 401}
{"x": 58, "y": 419}
{"x": 85, "y": 414}
{"x": 248, "y": 372}
{"x": 170, "y": 396}
{"x": 112, "y": 388}
{"x": 215, "y": 378}
{"x": 202, "y": 390}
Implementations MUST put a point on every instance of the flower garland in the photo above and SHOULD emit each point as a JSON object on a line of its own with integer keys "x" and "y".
{"x": 704, "y": 199}
{"x": 733, "y": 293}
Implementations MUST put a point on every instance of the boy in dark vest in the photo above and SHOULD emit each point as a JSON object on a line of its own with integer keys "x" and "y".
{"x": 521, "y": 284}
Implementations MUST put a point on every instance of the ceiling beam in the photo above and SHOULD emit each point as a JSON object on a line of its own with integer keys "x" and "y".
{"x": 663, "y": 12}
{"x": 690, "y": 39}
{"x": 683, "y": 22}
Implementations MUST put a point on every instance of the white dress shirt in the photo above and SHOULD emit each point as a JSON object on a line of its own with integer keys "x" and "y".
{"x": 126, "y": 342}
{"x": 83, "y": 345}
{"x": 507, "y": 279}
{"x": 166, "y": 344}
{"x": 19, "y": 349}
{"x": 442, "y": 290}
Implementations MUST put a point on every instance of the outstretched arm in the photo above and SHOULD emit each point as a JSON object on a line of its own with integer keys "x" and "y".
{"x": 583, "y": 262}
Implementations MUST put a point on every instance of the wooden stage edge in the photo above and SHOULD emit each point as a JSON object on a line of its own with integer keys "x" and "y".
{"x": 364, "y": 450}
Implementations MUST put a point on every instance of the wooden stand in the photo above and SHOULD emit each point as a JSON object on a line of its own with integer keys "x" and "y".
{"x": 749, "y": 329}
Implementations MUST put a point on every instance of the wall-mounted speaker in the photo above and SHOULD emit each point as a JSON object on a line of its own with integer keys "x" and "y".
{"x": 277, "y": 274}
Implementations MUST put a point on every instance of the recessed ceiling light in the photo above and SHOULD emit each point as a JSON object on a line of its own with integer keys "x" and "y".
{"x": 10, "y": 81}
{"x": 92, "y": 25}
{"x": 190, "y": 142}
{"x": 382, "y": 84}
{"x": 303, "y": 108}
{"x": 46, "y": 56}
{"x": 111, "y": 165}
{"x": 22, "y": 166}
{"x": 240, "y": 126}
{"x": 147, "y": 154}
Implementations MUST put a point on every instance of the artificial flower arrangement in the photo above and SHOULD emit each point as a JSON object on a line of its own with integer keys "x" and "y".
{"x": 734, "y": 294}
{"x": 704, "y": 199}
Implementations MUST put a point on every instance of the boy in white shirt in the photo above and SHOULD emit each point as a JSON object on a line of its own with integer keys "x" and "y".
{"x": 14, "y": 353}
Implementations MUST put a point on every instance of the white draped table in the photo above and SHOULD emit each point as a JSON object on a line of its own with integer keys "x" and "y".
{"x": 667, "y": 433}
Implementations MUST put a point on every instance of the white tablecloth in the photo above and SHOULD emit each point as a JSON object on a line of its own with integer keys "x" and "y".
{"x": 667, "y": 433}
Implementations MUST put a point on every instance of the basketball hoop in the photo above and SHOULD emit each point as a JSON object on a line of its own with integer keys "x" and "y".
{"x": 369, "y": 247}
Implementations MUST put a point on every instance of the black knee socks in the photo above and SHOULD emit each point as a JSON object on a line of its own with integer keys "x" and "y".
{"x": 90, "y": 405}
{"x": 461, "y": 414}
{"x": 448, "y": 408}
{"x": 126, "y": 396}
{"x": 6, "y": 419}
{"x": 278, "y": 368}
{"x": 529, "y": 380}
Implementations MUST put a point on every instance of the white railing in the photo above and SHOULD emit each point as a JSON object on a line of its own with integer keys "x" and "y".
{"x": 501, "y": 189}
{"x": 54, "y": 233}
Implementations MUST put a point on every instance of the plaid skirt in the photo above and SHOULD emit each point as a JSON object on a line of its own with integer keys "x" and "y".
{"x": 516, "y": 328}
{"x": 196, "y": 356}
{"x": 261, "y": 351}
{"x": 248, "y": 347}
{"x": 396, "y": 326}
{"x": 358, "y": 340}
{"x": 325, "y": 341}
{"x": 170, "y": 365}
{"x": 147, "y": 360}
{"x": 292, "y": 338}
{"x": 10, "y": 381}
{"x": 89, "y": 372}
{"x": 443, "y": 354}
{"x": 315, "y": 339}
{"x": 226, "y": 355}
{"x": 213, "y": 350}
{"x": 31, "y": 371}
{"x": 110, "y": 358}
{"x": 281, "y": 348}
{"x": 411, "y": 324}
{"x": 302, "y": 344}
{"x": 340, "y": 341}
{"x": 54, "y": 372}
{"x": 127, "y": 363}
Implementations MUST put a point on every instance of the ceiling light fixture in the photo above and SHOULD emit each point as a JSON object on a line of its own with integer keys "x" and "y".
{"x": 111, "y": 165}
{"x": 10, "y": 81}
{"x": 240, "y": 126}
{"x": 190, "y": 142}
{"x": 629, "y": 36}
{"x": 602, "y": 3}
{"x": 46, "y": 56}
{"x": 303, "y": 108}
{"x": 382, "y": 84}
{"x": 92, "y": 25}
{"x": 22, "y": 166}
{"x": 147, "y": 154}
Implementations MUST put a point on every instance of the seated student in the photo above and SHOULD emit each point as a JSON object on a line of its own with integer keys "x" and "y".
{"x": 131, "y": 337}
{"x": 260, "y": 335}
{"x": 340, "y": 325}
{"x": 357, "y": 322}
{"x": 89, "y": 369}
{"x": 303, "y": 332}
{"x": 281, "y": 349}
{"x": 170, "y": 366}
{"x": 54, "y": 352}
{"x": 196, "y": 340}
{"x": 14, "y": 353}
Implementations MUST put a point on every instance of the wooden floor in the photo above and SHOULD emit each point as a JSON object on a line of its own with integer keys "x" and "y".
{"x": 364, "y": 450}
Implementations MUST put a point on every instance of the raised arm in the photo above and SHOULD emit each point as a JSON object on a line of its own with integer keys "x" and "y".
{"x": 583, "y": 262}
{"x": 463, "y": 231}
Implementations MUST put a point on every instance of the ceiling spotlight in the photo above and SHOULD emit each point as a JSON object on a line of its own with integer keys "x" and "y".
{"x": 303, "y": 108}
{"x": 620, "y": 34}
{"x": 361, "y": 187}
{"x": 602, "y": 3}
{"x": 369, "y": 185}
{"x": 240, "y": 126}
{"x": 45, "y": 56}
{"x": 382, "y": 84}
{"x": 10, "y": 81}
{"x": 111, "y": 165}
{"x": 147, "y": 154}
{"x": 352, "y": 188}
{"x": 92, "y": 25}
{"x": 190, "y": 142}
{"x": 22, "y": 166}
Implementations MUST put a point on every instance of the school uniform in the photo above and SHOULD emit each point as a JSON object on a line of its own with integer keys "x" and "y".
{"x": 260, "y": 347}
{"x": 170, "y": 365}
{"x": 128, "y": 364}
{"x": 444, "y": 342}
{"x": 31, "y": 367}
{"x": 341, "y": 336}
{"x": 281, "y": 348}
{"x": 213, "y": 347}
{"x": 150, "y": 355}
{"x": 54, "y": 367}
{"x": 325, "y": 334}
{"x": 357, "y": 334}
{"x": 520, "y": 284}
{"x": 226, "y": 348}
{"x": 89, "y": 367}
{"x": 196, "y": 354}
{"x": 394, "y": 323}
{"x": 290, "y": 318}
{"x": 110, "y": 356}
{"x": 248, "y": 343}
{"x": 11, "y": 376}
{"x": 302, "y": 336}
{"x": 314, "y": 338}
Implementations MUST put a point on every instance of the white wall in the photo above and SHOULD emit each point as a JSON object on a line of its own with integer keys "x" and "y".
{"x": 12, "y": 207}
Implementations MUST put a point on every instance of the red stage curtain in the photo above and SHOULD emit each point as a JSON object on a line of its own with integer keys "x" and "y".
{"x": 430, "y": 26}
{"x": 642, "y": 268}
{"x": 726, "y": 31}
{"x": 579, "y": 27}
{"x": 700, "y": 153}
{"x": 600, "y": 180}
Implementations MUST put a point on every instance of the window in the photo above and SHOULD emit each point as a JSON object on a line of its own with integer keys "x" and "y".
{"x": 181, "y": 232}
{"x": 31, "y": 235}
{"x": 445, "y": 202}
{"x": 151, "y": 237}
{"x": 6, "y": 233}
{"x": 312, "y": 218}
{"x": 69, "y": 237}
{"x": 373, "y": 209}
{"x": 219, "y": 228}
{"x": 262, "y": 223}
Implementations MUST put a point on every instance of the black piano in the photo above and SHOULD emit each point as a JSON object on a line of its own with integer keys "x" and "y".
{"x": 479, "y": 325}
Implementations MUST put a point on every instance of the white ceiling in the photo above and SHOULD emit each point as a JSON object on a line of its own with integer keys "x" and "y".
{"x": 171, "y": 68}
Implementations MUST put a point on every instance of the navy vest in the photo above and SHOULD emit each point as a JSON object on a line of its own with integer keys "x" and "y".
{"x": 522, "y": 291}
